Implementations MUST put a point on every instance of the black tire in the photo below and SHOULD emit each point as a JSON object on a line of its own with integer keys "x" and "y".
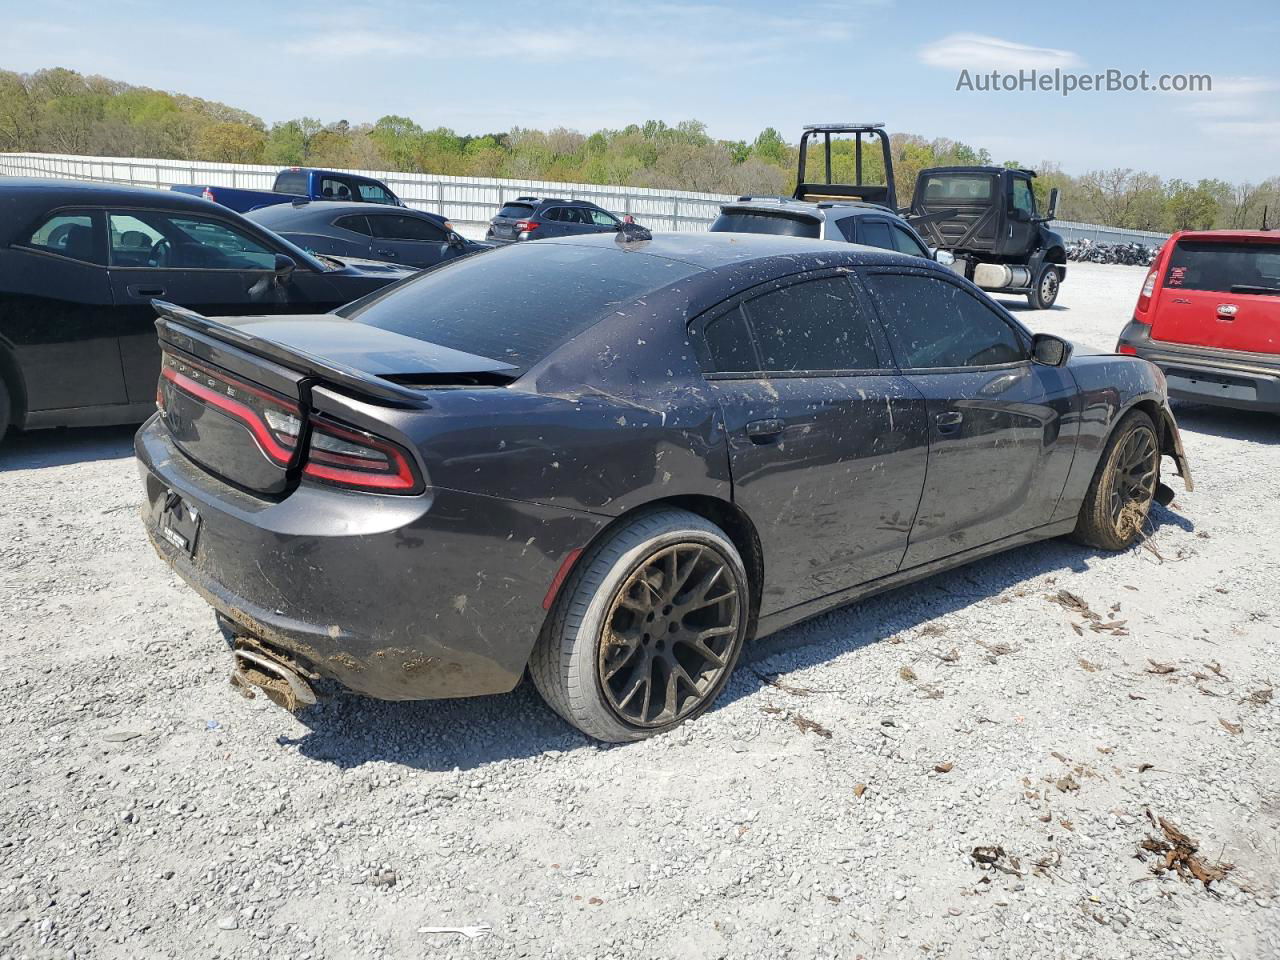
{"x": 1119, "y": 499}
{"x": 6, "y": 409}
{"x": 634, "y": 588}
{"x": 1045, "y": 292}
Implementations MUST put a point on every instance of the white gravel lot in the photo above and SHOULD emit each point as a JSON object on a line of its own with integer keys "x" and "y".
{"x": 149, "y": 811}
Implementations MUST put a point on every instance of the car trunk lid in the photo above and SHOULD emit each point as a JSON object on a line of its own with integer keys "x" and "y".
{"x": 1223, "y": 293}
{"x": 236, "y": 394}
{"x": 504, "y": 224}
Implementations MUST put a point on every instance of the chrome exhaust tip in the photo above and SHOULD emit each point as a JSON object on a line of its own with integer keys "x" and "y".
{"x": 256, "y": 669}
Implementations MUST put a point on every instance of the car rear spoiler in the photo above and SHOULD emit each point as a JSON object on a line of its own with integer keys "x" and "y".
{"x": 171, "y": 316}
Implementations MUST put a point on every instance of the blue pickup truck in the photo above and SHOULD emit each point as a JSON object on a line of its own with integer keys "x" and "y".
{"x": 300, "y": 183}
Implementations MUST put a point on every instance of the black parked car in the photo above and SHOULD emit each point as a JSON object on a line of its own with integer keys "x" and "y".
{"x": 80, "y": 264}
{"x": 538, "y": 218}
{"x": 620, "y": 464}
{"x": 414, "y": 238}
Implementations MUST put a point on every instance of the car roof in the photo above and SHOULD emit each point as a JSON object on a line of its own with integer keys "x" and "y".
{"x": 825, "y": 209}
{"x": 1272, "y": 235}
{"x": 53, "y": 193}
{"x": 329, "y": 210}
{"x": 560, "y": 200}
{"x": 710, "y": 251}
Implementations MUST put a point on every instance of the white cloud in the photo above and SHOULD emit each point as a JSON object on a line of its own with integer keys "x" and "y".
{"x": 1234, "y": 97}
{"x": 976, "y": 51}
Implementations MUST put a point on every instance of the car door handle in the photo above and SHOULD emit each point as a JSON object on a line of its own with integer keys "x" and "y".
{"x": 763, "y": 431}
{"x": 138, "y": 290}
{"x": 948, "y": 421}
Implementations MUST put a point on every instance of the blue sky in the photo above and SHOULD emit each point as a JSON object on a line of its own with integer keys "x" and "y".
{"x": 737, "y": 65}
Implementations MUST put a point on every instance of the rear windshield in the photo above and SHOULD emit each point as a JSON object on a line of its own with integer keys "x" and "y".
{"x": 520, "y": 303}
{"x": 1224, "y": 267}
{"x": 292, "y": 181}
{"x": 958, "y": 187}
{"x": 776, "y": 224}
{"x": 517, "y": 211}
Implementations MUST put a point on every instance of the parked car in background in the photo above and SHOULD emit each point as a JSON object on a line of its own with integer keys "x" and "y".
{"x": 652, "y": 450}
{"x": 1208, "y": 315}
{"x": 299, "y": 183}
{"x": 535, "y": 218}
{"x": 80, "y": 264}
{"x": 842, "y": 221}
{"x": 402, "y": 235}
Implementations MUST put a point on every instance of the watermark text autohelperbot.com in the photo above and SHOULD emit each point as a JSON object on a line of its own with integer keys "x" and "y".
{"x": 1067, "y": 82}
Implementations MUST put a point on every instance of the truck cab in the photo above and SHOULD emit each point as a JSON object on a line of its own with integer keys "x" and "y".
{"x": 296, "y": 184}
{"x": 988, "y": 219}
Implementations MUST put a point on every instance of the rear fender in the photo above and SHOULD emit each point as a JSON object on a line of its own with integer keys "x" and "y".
{"x": 1171, "y": 445}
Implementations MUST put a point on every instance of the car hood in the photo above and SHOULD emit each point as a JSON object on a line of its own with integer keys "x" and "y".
{"x": 357, "y": 266}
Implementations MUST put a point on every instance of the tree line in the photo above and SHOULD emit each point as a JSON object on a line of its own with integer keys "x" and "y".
{"x": 62, "y": 111}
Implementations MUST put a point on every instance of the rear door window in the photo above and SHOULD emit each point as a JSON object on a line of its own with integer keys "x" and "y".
{"x": 521, "y": 316}
{"x": 390, "y": 226}
{"x": 904, "y": 242}
{"x": 933, "y": 323}
{"x": 371, "y": 192}
{"x": 875, "y": 233}
{"x": 69, "y": 233}
{"x": 728, "y": 342}
{"x": 331, "y": 188}
{"x": 354, "y": 224}
{"x": 812, "y": 325}
{"x": 1224, "y": 267}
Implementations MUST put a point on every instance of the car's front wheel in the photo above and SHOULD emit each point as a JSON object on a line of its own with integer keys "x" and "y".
{"x": 647, "y": 629}
{"x": 1119, "y": 499}
{"x": 1045, "y": 293}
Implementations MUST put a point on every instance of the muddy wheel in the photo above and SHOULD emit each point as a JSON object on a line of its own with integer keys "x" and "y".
{"x": 646, "y": 630}
{"x": 1119, "y": 498}
{"x": 1045, "y": 293}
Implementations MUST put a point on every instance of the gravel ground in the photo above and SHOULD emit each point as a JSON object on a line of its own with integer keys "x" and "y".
{"x": 149, "y": 811}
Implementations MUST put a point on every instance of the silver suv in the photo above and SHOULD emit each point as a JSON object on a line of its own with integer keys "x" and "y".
{"x": 846, "y": 221}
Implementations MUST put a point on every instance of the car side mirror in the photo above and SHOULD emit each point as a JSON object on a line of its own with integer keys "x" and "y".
{"x": 1049, "y": 350}
{"x": 284, "y": 266}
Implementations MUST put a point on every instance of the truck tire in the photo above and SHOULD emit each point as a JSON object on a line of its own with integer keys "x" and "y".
{"x": 6, "y": 408}
{"x": 1045, "y": 292}
{"x": 646, "y": 630}
{"x": 1124, "y": 485}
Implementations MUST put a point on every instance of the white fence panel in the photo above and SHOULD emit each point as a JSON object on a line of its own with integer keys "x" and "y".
{"x": 468, "y": 201}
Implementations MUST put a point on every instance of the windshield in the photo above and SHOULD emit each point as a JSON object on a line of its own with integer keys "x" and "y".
{"x": 520, "y": 303}
{"x": 1224, "y": 267}
{"x": 757, "y": 221}
{"x": 958, "y": 187}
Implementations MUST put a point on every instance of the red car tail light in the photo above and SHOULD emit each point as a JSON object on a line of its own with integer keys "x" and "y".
{"x": 266, "y": 415}
{"x": 357, "y": 460}
{"x": 527, "y": 226}
{"x": 1127, "y": 351}
{"x": 1144, "y": 298}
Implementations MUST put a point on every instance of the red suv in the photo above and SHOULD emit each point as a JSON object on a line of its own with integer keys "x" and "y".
{"x": 1209, "y": 317}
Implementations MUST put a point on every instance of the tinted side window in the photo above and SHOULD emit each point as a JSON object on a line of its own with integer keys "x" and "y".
{"x": 555, "y": 214}
{"x": 334, "y": 189}
{"x": 516, "y": 211}
{"x": 395, "y": 227}
{"x": 68, "y": 234}
{"x": 1023, "y": 199}
{"x": 875, "y": 233}
{"x": 849, "y": 227}
{"x": 356, "y": 224}
{"x": 602, "y": 219}
{"x": 373, "y": 193}
{"x": 729, "y": 343}
{"x": 904, "y": 242}
{"x": 934, "y": 323}
{"x": 814, "y": 325}
{"x": 147, "y": 238}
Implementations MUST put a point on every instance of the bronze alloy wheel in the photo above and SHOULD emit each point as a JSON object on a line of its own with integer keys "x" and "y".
{"x": 669, "y": 635}
{"x": 1133, "y": 482}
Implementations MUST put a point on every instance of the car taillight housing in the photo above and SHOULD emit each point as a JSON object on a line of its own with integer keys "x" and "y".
{"x": 207, "y": 194}
{"x": 334, "y": 453}
{"x": 1144, "y": 298}
{"x": 527, "y": 226}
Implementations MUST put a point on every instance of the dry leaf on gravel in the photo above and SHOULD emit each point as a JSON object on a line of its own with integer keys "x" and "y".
{"x": 906, "y": 673}
{"x": 1217, "y": 670}
{"x": 1067, "y": 784}
{"x": 1259, "y": 698}
{"x": 996, "y": 858}
{"x": 1236, "y": 728}
{"x": 932, "y": 630}
{"x": 1070, "y": 601}
{"x": 1090, "y": 667}
{"x": 1160, "y": 668}
{"x": 806, "y": 725}
{"x": 1078, "y": 629}
{"x": 1179, "y": 853}
{"x": 777, "y": 684}
{"x": 944, "y": 767}
{"x": 998, "y": 649}
{"x": 951, "y": 656}
{"x": 1144, "y": 767}
{"x": 1134, "y": 696}
{"x": 859, "y": 789}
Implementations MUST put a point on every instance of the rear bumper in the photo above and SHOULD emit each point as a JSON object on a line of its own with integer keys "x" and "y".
{"x": 399, "y": 598}
{"x": 1225, "y": 378}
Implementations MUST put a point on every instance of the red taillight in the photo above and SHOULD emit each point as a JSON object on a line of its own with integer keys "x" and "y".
{"x": 527, "y": 226}
{"x": 1144, "y": 298}
{"x": 1127, "y": 351}
{"x": 358, "y": 460}
{"x": 208, "y": 195}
